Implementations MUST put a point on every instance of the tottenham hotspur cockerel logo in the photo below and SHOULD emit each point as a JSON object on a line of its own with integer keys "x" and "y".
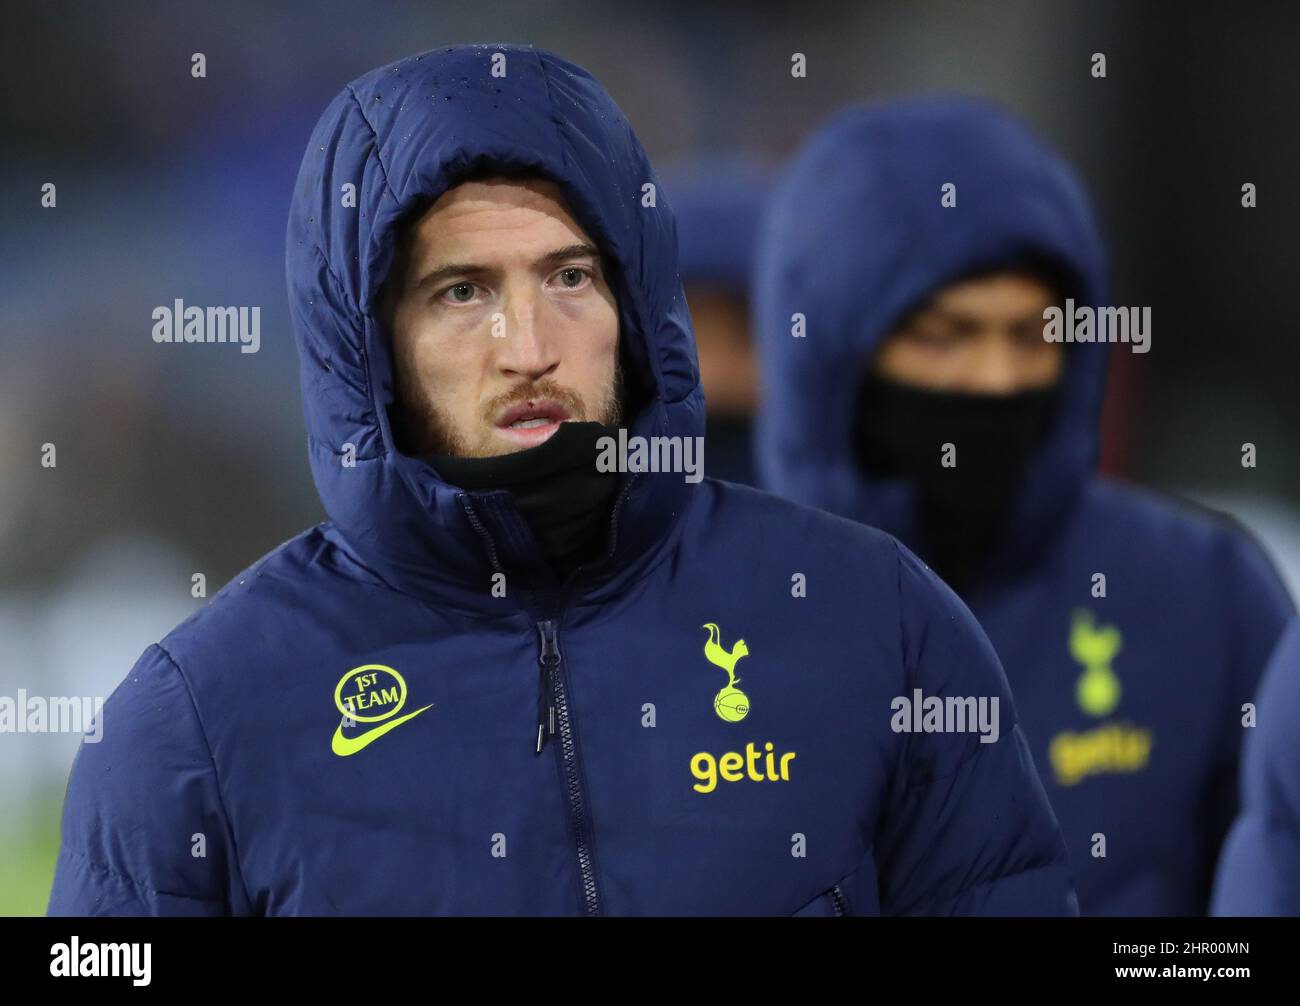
{"x": 731, "y": 704}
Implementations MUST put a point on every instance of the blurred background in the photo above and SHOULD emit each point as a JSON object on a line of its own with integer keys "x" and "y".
{"x": 172, "y": 463}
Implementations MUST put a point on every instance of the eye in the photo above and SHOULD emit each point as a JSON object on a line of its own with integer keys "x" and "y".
{"x": 460, "y": 293}
{"x": 935, "y": 337}
{"x": 573, "y": 277}
{"x": 1028, "y": 334}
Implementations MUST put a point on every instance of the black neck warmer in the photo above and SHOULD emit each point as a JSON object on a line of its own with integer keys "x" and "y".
{"x": 560, "y": 493}
{"x": 900, "y": 432}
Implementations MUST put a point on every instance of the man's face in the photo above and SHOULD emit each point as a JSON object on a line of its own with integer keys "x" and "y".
{"x": 977, "y": 336}
{"x": 728, "y": 369}
{"x": 503, "y": 322}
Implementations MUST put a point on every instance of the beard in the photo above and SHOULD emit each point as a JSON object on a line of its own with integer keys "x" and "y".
{"x": 425, "y": 428}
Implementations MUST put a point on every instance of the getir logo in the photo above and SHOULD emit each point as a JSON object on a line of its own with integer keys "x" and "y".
{"x": 1112, "y": 747}
{"x": 732, "y": 706}
{"x": 735, "y": 767}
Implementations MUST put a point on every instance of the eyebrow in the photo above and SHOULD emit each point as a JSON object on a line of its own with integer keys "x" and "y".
{"x": 444, "y": 272}
{"x": 947, "y": 316}
{"x": 964, "y": 319}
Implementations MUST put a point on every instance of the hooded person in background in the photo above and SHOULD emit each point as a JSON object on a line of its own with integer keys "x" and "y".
{"x": 1259, "y": 873}
{"x": 907, "y": 266}
{"x": 718, "y": 200}
{"x": 503, "y": 679}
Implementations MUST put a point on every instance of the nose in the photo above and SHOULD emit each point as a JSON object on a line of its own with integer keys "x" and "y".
{"x": 995, "y": 369}
{"x": 526, "y": 346}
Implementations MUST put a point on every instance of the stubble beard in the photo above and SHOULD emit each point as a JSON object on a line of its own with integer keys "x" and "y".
{"x": 427, "y": 429}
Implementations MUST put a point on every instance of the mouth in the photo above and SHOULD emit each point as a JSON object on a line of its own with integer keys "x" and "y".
{"x": 530, "y": 423}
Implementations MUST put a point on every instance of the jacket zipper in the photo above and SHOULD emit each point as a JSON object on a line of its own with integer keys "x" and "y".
{"x": 549, "y": 661}
{"x": 477, "y": 525}
{"x": 553, "y": 713}
{"x": 837, "y": 901}
{"x": 553, "y": 710}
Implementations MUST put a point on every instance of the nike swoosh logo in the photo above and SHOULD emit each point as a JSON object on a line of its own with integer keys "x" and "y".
{"x": 344, "y": 746}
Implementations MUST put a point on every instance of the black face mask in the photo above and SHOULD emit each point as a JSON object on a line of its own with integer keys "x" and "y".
{"x": 560, "y": 493}
{"x": 900, "y": 432}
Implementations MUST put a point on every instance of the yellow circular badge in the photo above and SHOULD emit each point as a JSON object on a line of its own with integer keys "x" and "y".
{"x": 373, "y": 688}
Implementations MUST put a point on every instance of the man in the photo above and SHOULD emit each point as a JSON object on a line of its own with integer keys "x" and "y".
{"x": 718, "y": 200}
{"x": 918, "y": 248}
{"x": 1259, "y": 873}
{"x": 456, "y": 696}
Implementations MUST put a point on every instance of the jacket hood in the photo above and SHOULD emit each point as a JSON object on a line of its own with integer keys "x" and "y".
{"x": 856, "y": 237}
{"x": 402, "y": 135}
{"x": 719, "y": 199}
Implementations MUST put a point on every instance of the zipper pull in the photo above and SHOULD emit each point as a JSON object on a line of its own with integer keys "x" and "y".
{"x": 549, "y": 661}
